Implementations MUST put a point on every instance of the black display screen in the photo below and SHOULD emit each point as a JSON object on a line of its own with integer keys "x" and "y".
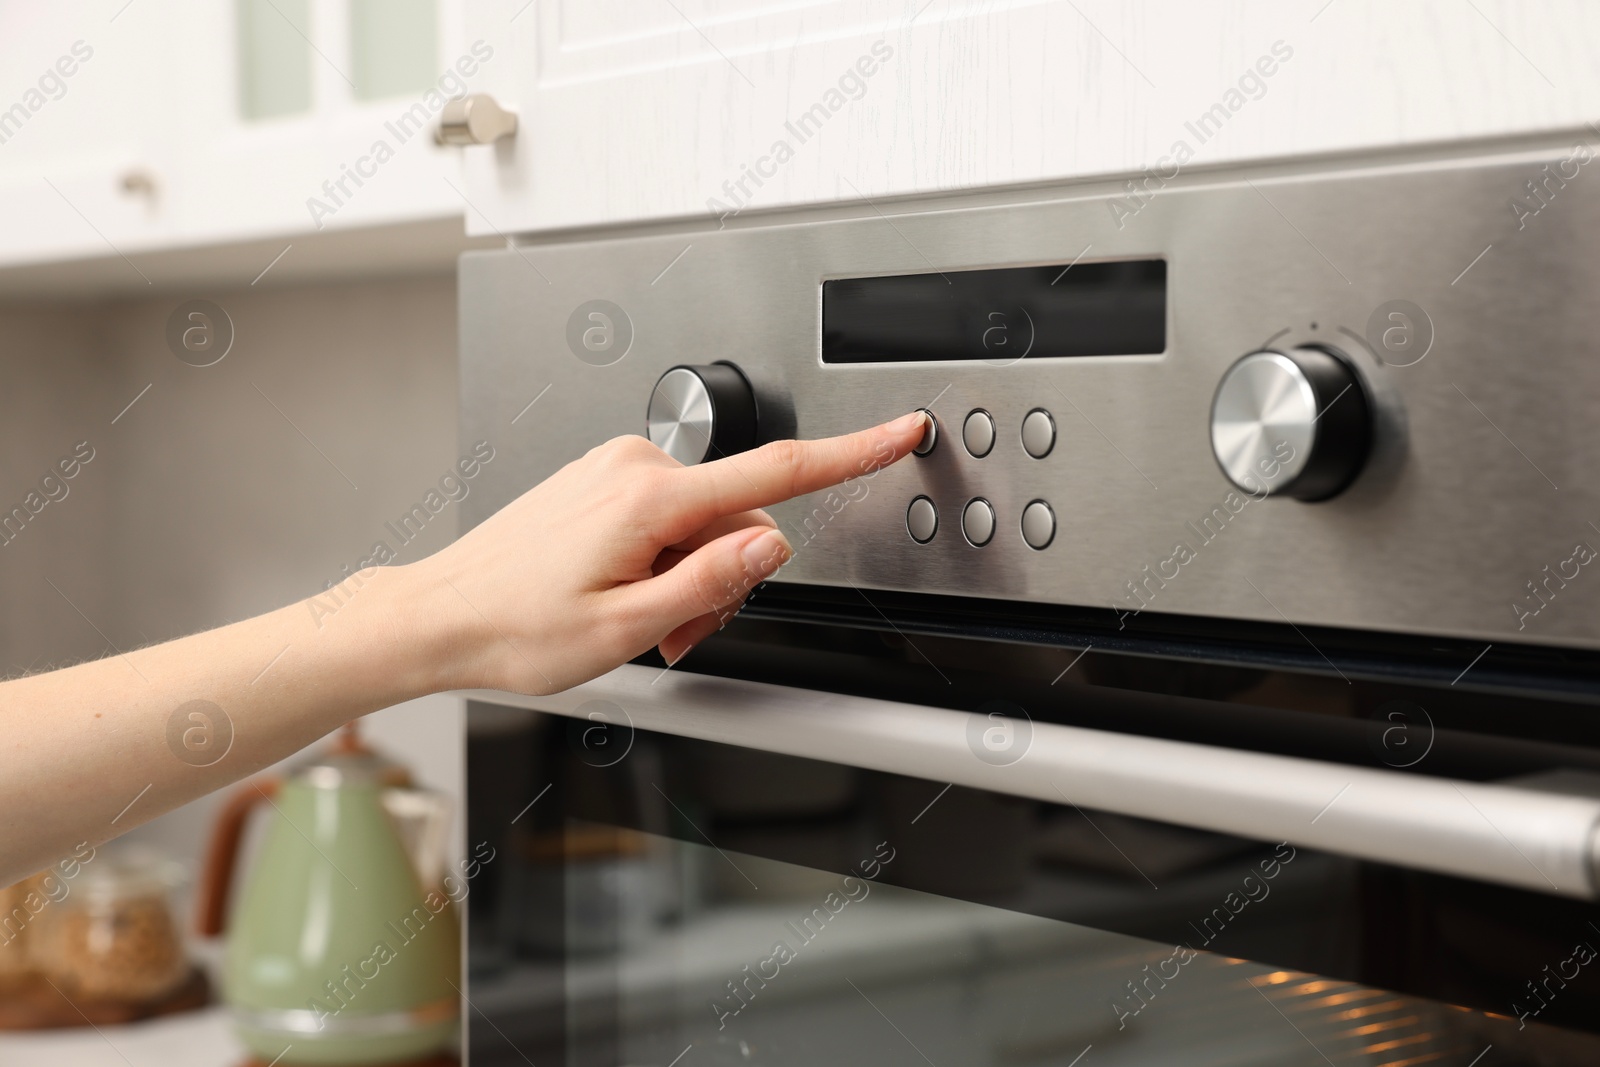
{"x": 1001, "y": 315}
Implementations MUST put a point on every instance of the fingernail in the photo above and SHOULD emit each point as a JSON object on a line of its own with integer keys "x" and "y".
{"x": 917, "y": 420}
{"x": 765, "y": 554}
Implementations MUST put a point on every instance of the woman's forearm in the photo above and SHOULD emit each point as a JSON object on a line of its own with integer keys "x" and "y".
{"x": 137, "y": 734}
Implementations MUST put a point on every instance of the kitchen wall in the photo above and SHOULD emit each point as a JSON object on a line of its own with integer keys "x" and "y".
{"x": 54, "y": 393}
{"x": 225, "y": 490}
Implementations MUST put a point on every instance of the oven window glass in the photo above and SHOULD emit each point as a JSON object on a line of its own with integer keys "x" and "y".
{"x": 665, "y": 901}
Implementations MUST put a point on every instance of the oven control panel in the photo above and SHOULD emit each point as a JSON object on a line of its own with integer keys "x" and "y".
{"x": 1360, "y": 393}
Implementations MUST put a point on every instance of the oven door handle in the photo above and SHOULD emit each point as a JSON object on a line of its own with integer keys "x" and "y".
{"x": 1492, "y": 833}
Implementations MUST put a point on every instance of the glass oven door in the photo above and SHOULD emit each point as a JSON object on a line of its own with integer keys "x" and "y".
{"x": 840, "y": 845}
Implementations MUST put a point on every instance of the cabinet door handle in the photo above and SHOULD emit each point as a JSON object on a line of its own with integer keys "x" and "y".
{"x": 474, "y": 119}
{"x": 1546, "y": 842}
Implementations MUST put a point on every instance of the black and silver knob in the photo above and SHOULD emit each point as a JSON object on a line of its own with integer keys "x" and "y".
{"x": 1295, "y": 423}
{"x": 702, "y": 412}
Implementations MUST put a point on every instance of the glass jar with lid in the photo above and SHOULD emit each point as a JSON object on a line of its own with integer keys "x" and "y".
{"x": 114, "y": 937}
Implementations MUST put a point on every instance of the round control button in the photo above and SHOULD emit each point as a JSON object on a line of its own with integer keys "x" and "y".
{"x": 930, "y": 436}
{"x": 977, "y": 521}
{"x": 977, "y": 433}
{"x": 702, "y": 412}
{"x": 1038, "y": 433}
{"x": 922, "y": 520}
{"x": 1038, "y": 525}
{"x": 1294, "y": 423}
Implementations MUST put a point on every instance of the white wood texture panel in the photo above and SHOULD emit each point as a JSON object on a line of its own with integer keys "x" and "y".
{"x": 638, "y": 110}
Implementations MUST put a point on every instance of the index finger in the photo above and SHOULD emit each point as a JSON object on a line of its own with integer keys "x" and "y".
{"x": 775, "y": 472}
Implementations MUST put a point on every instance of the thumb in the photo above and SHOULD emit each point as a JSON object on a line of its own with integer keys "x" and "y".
{"x": 713, "y": 579}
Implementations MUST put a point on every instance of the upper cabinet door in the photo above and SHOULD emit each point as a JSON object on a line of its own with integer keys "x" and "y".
{"x": 161, "y": 125}
{"x": 635, "y": 110}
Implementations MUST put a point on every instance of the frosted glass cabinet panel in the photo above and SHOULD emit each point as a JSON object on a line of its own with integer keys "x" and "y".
{"x": 394, "y": 47}
{"x": 274, "y": 57}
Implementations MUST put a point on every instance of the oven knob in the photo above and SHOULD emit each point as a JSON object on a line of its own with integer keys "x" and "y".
{"x": 1294, "y": 423}
{"x": 703, "y": 412}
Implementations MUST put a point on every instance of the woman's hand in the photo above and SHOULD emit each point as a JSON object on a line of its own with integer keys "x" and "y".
{"x": 622, "y": 550}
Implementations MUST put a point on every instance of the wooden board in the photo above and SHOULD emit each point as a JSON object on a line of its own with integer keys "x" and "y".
{"x": 35, "y": 1004}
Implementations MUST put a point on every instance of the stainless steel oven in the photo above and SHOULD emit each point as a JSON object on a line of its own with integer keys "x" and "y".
{"x": 1218, "y": 686}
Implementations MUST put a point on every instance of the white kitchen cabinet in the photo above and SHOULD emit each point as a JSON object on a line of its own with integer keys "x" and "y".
{"x": 635, "y": 110}
{"x": 149, "y": 145}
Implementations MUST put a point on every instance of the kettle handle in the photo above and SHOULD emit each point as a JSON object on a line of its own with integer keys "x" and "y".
{"x": 222, "y": 853}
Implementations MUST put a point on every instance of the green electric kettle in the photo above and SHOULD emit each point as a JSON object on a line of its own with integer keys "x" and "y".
{"x": 342, "y": 947}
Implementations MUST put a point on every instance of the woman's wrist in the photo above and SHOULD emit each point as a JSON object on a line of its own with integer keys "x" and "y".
{"x": 408, "y": 628}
